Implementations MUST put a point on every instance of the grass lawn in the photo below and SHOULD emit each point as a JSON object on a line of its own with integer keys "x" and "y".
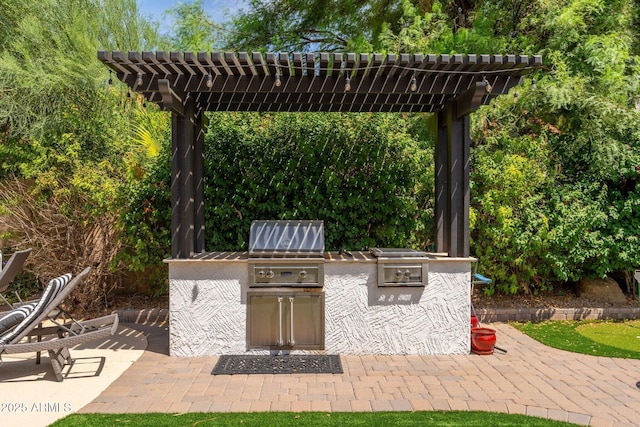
{"x": 595, "y": 337}
{"x": 284, "y": 419}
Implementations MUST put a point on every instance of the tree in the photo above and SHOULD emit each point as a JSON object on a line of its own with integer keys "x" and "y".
{"x": 192, "y": 30}
{"x": 315, "y": 25}
{"x": 577, "y": 220}
{"x": 49, "y": 69}
{"x": 66, "y": 138}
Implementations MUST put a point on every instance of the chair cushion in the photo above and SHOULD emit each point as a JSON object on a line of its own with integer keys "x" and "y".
{"x": 15, "y": 316}
{"x": 50, "y": 292}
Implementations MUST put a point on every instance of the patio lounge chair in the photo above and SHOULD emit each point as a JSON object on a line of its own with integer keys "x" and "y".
{"x": 10, "y": 271}
{"x": 58, "y": 337}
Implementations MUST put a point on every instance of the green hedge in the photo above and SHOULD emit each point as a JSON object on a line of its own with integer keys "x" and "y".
{"x": 366, "y": 176}
{"x": 369, "y": 177}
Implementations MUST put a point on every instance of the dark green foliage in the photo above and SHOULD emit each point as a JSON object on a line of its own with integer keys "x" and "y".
{"x": 145, "y": 219}
{"x": 364, "y": 175}
{"x": 576, "y": 217}
{"x": 23, "y": 286}
{"x": 368, "y": 177}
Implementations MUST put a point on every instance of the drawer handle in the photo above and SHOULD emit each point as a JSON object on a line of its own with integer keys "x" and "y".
{"x": 279, "y": 343}
{"x": 292, "y": 340}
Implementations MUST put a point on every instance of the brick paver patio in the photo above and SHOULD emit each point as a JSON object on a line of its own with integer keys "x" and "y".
{"x": 529, "y": 379}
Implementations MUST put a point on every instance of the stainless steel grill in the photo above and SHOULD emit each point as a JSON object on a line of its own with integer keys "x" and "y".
{"x": 286, "y": 239}
{"x": 286, "y": 253}
{"x": 286, "y": 261}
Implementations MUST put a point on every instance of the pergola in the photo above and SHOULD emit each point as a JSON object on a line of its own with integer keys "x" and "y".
{"x": 188, "y": 84}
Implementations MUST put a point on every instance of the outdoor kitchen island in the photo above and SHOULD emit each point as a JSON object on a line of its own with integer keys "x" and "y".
{"x": 427, "y": 311}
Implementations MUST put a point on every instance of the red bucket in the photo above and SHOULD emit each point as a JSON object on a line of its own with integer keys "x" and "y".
{"x": 483, "y": 340}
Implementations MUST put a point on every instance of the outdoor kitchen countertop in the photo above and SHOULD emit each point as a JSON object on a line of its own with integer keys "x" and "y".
{"x": 243, "y": 256}
{"x": 213, "y": 256}
{"x": 349, "y": 256}
{"x": 331, "y": 256}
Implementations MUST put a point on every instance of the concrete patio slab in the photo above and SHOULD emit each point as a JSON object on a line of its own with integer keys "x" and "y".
{"x": 32, "y": 397}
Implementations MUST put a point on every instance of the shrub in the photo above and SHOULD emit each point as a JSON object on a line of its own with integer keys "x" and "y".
{"x": 368, "y": 177}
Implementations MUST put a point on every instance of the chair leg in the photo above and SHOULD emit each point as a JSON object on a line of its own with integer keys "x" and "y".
{"x": 38, "y": 357}
{"x": 59, "y": 358}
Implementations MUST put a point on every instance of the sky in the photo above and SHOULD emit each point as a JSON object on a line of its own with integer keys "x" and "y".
{"x": 214, "y": 8}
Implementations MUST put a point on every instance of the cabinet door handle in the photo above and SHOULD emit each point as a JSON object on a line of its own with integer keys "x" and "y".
{"x": 292, "y": 340}
{"x": 279, "y": 343}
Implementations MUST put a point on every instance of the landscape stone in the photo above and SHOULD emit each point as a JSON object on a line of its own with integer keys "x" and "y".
{"x": 601, "y": 290}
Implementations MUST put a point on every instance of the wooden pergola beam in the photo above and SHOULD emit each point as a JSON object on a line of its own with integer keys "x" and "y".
{"x": 471, "y": 99}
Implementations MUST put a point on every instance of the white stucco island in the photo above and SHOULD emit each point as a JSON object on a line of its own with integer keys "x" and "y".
{"x": 209, "y": 309}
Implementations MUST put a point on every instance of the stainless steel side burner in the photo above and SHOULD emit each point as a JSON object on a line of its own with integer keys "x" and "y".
{"x": 401, "y": 267}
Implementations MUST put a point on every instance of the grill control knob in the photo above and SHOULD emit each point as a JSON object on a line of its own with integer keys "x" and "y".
{"x": 302, "y": 274}
{"x": 261, "y": 274}
{"x": 407, "y": 274}
{"x": 270, "y": 274}
{"x": 398, "y": 274}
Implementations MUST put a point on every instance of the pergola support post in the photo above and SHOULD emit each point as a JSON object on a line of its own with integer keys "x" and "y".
{"x": 442, "y": 182}
{"x": 185, "y": 165}
{"x": 198, "y": 178}
{"x": 452, "y": 182}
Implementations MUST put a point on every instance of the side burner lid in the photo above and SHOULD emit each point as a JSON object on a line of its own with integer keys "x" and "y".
{"x": 286, "y": 238}
{"x": 397, "y": 253}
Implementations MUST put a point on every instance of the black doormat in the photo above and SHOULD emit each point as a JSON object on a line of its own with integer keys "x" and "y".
{"x": 289, "y": 364}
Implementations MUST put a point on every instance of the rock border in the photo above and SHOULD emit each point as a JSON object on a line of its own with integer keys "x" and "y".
{"x": 490, "y": 315}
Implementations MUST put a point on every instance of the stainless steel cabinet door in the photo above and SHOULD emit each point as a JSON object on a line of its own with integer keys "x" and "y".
{"x": 285, "y": 320}
{"x": 264, "y": 321}
{"x": 306, "y": 327}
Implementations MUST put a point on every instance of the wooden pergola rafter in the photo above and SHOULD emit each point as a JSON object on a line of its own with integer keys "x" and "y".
{"x": 188, "y": 84}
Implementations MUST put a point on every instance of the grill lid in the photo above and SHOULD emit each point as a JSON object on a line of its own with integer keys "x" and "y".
{"x": 286, "y": 238}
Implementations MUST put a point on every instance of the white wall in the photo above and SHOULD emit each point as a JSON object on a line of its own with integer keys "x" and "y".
{"x": 208, "y": 309}
{"x": 362, "y": 318}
